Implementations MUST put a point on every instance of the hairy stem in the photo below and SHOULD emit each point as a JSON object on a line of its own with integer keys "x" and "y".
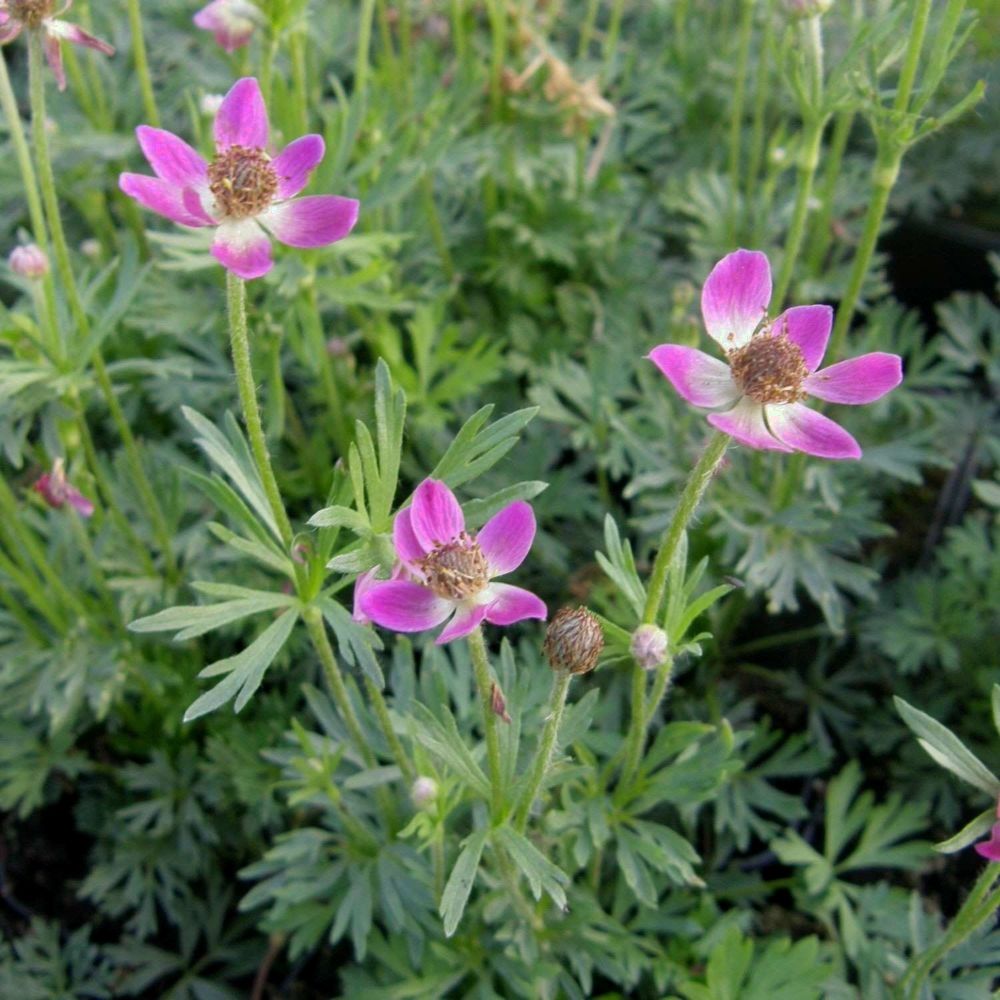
{"x": 557, "y": 702}
{"x": 481, "y": 667}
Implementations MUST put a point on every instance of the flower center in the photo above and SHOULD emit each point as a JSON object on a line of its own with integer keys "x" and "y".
{"x": 456, "y": 570}
{"x": 243, "y": 181}
{"x": 770, "y": 368}
{"x": 30, "y": 13}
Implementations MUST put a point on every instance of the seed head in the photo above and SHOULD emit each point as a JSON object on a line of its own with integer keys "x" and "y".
{"x": 573, "y": 641}
{"x": 770, "y": 368}
{"x": 649, "y": 646}
{"x": 29, "y": 261}
{"x": 456, "y": 570}
{"x": 243, "y": 181}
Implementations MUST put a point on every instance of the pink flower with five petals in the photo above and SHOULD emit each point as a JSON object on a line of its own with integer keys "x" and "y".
{"x": 450, "y": 571}
{"x": 41, "y": 15}
{"x": 244, "y": 193}
{"x": 772, "y": 366}
{"x": 231, "y": 21}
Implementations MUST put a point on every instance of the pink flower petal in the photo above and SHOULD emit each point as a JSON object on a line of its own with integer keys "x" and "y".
{"x": 314, "y": 221}
{"x": 990, "y": 849}
{"x": 735, "y": 297}
{"x": 806, "y": 430}
{"x": 461, "y": 624}
{"x": 362, "y": 585}
{"x": 745, "y": 423}
{"x": 77, "y": 36}
{"x": 700, "y": 379}
{"x": 242, "y": 117}
{"x": 404, "y": 606}
{"x": 435, "y": 515}
{"x": 163, "y": 198}
{"x": 408, "y": 547}
{"x": 507, "y": 536}
{"x": 513, "y": 604}
{"x": 808, "y": 327}
{"x": 172, "y": 158}
{"x": 243, "y": 248}
{"x": 858, "y": 380}
{"x": 9, "y": 30}
{"x": 79, "y": 502}
{"x": 53, "y": 56}
{"x": 231, "y": 29}
{"x": 296, "y": 162}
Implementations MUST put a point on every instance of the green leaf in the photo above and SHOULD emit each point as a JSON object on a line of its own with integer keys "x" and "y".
{"x": 245, "y": 670}
{"x": 190, "y": 620}
{"x": 969, "y": 834}
{"x": 354, "y": 641}
{"x": 456, "y": 892}
{"x": 340, "y": 517}
{"x": 446, "y": 742}
{"x": 477, "y": 448}
{"x": 619, "y": 565}
{"x": 948, "y": 750}
{"x": 478, "y": 512}
{"x": 542, "y": 874}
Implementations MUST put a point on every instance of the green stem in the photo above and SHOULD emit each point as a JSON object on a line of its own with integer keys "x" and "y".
{"x": 240, "y": 344}
{"x": 33, "y": 590}
{"x": 911, "y": 60}
{"x": 385, "y": 723}
{"x": 694, "y": 490}
{"x": 587, "y": 29}
{"x": 664, "y": 673}
{"x": 314, "y": 326}
{"x": 142, "y": 64}
{"x": 611, "y": 36}
{"x": 497, "y": 13}
{"x": 68, "y": 280}
{"x": 481, "y": 668}
{"x": 557, "y": 701}
{"x": 636, "y": 737}
{"x": 755, "y": 156}
{"x": 363, "y": 54}
{"x": 739, "y": 95}
{"x": 434, "y": 224}
{"x": 811, "y": 141}
{"x": 819, "y": 237}
{"x": 884, "y": 176}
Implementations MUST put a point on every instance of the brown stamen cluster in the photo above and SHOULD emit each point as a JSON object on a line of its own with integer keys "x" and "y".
{"x": 770, "y": 368}
{"x": 242, "y": 181}
{"x": 456, "y": 570}
{"x": 31, "y": 13}
{"x": 573, "y": 641}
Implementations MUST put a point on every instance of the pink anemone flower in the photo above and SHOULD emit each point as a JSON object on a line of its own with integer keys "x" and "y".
{"x": 231, "y": 21}
{"x": 41, "y": 15}
{"x": 990, "y": 849}
{"x": 243, "y": 193}
{"x": 772, "y": 366}
{"x": 56, "y": 490}
{"x": 450, "y": 571}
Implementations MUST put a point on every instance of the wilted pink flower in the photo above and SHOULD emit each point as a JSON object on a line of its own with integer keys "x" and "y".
{"x": 772, "y": 366}
{"x": 29, "y": 261}
{"x": 451, "y": 571}
{"x": 244, "y": 193}
{"x": 41, "y": 15}
{"x": 990, "y": 849}
{"x": 56, "y": 490}
{"x": 231, "y": 21}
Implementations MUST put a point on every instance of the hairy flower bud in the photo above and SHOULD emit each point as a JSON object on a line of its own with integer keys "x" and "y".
{"x": 423, "y": 792}
{"x": 29, "y": 261}
{"x": 649, "y": 646}
{"x": 573, "y": 640}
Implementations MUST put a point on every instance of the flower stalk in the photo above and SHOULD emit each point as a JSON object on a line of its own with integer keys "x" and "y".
{"x": 142, "y": 64}
{"x": 484, "y": 683}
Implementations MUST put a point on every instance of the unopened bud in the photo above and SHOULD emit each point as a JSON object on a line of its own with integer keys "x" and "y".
{"x": 91, "y": 248}
{"x": 29, "y": 261}
{"x": 423, "y": 792}
{"x": 498, "y": 703}
{"x": 573, "y": 640}
{"x": 649, "y": 646}
{"x": 210, "y": 104}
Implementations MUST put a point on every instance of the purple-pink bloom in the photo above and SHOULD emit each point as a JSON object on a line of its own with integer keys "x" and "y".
{"x": 449, "y": 571}
{"x": 990, "y": 849}
{"x": 772, "y": 366}
{"x": 41, "y": 15}
{"x": 56, "y": 490}
{"x": 244, "y": 193}
{"x": 231, "y": 21}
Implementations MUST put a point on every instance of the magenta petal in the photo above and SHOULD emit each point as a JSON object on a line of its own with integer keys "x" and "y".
{"x": 435, "y": 515}
{"x": 9, "y": 30}
{"x": 160, "y": 197}
{"x": 53, "y": 56}
{"x": 172, "y": 158}
{"x": 404, "y": 606}
{"x": 745, "y": 423}
{"x": 858, "y": 380}
{"x": 243, "y": 248}
{"x": 507, "y": 536}
{"x": 809, "y": 328}
{"x": 296, "y": 162}
{"x": 79, "y": 502}
{"x": 700, "y": 379}
{"x": 990, "y": 849}
{"x": 461, "y": 624}
{"x": 242, "y": 117}
{"x": 735, "y": 297}
{"x": 408, "y": 548}
{"x": 513, "y": 604}
{"x": 806, "y": 430}
{"x": 314, "y": 221}
{"x": 77, "y": 36}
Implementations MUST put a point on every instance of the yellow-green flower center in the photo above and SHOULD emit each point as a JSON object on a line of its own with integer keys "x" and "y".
{"x": 242, "y": 181}
{"x": 457, "y": 570}
{"x": 770, "y": 368}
